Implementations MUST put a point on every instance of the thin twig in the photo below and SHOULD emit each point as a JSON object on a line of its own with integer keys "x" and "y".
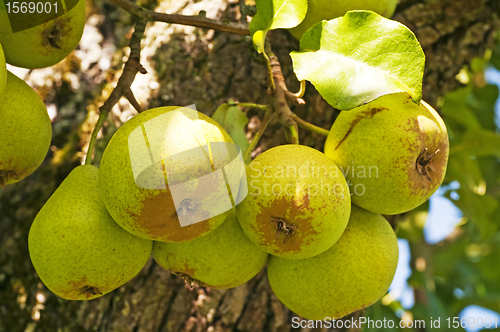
{"x": 130, "y": 69}
{"x": 309, "y": 126}
{"x": 195, "y": 21}
{"x": 131, "y": 98}
{"x": 302, "y": 90}
{"x": 258, "y": 106}
{"x": 93, "y": 137}
{"x": 292, "y": 134}
{"x": 268, "y": 116}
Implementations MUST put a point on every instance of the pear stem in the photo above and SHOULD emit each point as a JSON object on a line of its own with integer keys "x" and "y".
{"x": 309, "y": 126}
{"x": 102, "y": 117}
{"x": 292, "y": 134}
{"x": 263, "y": 125}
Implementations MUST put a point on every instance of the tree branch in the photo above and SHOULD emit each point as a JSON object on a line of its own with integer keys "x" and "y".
{"x": 130, "y": 69}
{"x": 131, "y": 98}
{"x": 279, "y": 99}
{"x": 196, "y": 21}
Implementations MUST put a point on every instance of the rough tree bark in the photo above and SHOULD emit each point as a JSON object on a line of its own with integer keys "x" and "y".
{"x": 206, "y": 69}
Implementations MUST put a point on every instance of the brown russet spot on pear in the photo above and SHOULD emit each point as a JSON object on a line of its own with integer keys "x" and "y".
{"x": 159, "y": 217}
{"x": 286, "y": 227}
{"x": 161, "y": 150}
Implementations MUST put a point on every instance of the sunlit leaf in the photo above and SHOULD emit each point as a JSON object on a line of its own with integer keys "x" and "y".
{"x": 359, "y": 57}
{"x": 275, "y": 14}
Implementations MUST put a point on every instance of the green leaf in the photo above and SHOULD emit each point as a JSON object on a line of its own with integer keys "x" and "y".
{"x": 479, "y": 142}
{"x": 467, "y": 172}
{"x": 479, "y": 209}
{"x": 455, "y": 108}
{"x": 275, "y": 14}
{"x": 411, "y": 225}
{"x": 483, "y": 100}
{"x": 233, "y": 120}
{"x": 359, "y": 57}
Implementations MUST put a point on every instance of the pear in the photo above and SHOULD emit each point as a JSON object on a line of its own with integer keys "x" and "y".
{"x": 37, "y": 40}
{"x": 319, "y": 10}
{"x": 353, "y": 274}
{"x": 392, "y": 151}
{"x": 3, "y": 71}
{"x": 78, "y": 251}
{"x": 170, "y": 174}
{"x": 25, "y": 131}
{"x": 224, "y": 258}
{"x": 298, "y": 202}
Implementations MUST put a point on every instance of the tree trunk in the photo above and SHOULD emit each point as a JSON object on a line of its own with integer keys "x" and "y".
{"x": 204, "y": 68}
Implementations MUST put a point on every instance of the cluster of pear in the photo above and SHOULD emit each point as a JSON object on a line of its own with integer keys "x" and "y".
{"x": 26, "y": 127}
{"x": 329, "y": 251}
{"x": 319, "y": 215}
{"x": 99, "y": 228}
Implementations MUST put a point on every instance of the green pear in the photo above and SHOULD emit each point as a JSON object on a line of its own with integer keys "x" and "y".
{"x": 170, "y": 174}
{"x": 78, "y": 251}
{"x": 45, "y": 44}
{"x": 319, "y": 10}
{"x": 298, "y": 202}
{"x": 353, "y": 274}
{"x": 224, "y": 258}
{"x": 392, "y": 151}
{"x": 3, "y": 71}
{"x": 25, "y": 131}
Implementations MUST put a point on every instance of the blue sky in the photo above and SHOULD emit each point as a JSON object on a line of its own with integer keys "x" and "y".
{"x": 441, "y": 221}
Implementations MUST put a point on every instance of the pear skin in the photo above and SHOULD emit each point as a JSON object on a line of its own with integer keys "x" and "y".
{"x": 3, "y": 71}
{"x": 224, "y": 258}
{"x": 298, "y": 202}
{"x": 25, "y": 131}
{"x": 43, "y": 45}
{"x": 163, "y": 175}
{"x": 77, "y": 249}
{"x": 392, "y": 151}
{"x": 353, "y": 274}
